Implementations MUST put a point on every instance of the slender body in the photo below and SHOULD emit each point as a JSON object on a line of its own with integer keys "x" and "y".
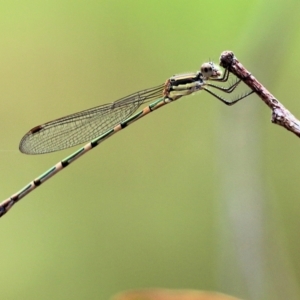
{"x": 101, "y": 122}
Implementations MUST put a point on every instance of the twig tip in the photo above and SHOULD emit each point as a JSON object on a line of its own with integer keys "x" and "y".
{"x": 226, "y": 58}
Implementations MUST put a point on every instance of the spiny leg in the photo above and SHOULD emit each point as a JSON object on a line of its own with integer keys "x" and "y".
{"x": 229, "y": 89}
{"x": 229, "y": 103}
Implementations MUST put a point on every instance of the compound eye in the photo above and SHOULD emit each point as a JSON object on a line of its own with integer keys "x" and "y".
{"x": 207, "y": 70}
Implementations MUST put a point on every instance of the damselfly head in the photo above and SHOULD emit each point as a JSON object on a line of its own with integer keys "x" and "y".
{"x": 209, "y": 70}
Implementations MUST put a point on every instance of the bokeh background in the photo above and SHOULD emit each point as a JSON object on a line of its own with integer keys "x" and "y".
{"x": 197, "y": 195}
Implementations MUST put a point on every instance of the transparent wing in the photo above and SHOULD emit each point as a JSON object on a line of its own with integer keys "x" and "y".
{"x": 84, "y": 126}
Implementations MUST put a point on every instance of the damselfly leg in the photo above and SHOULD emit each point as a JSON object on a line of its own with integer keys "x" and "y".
{"x": 210, "y": 73}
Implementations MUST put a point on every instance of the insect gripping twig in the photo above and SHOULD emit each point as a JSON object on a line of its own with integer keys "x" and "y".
{"x": 280, "y": 115}
{"x": 99, "y": 123}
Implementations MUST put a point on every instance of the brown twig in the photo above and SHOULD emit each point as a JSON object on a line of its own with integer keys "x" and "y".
{"x": 280, "y": 115}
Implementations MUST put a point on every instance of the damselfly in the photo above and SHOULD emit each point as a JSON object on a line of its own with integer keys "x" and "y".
{"x": 101, "y": 122}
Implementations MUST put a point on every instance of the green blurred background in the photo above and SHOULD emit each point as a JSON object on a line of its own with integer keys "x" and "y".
{"x": 197, "y": 195}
